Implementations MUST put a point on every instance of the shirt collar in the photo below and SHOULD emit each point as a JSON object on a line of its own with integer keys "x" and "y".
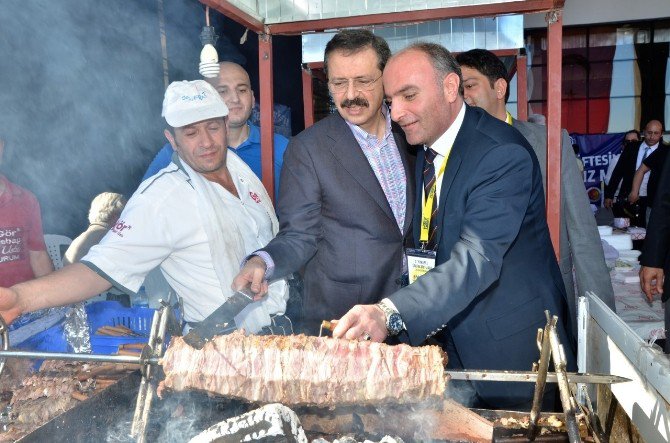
{"x": 254, "y": 134}
{"x": 387, "y": 125}
{"x": 644, "y": 144}
{"x": 508, "y": 118}
{"x": 446, "y": 140}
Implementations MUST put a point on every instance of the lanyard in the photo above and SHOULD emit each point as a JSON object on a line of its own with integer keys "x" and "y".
{"x": 426, "y": 212}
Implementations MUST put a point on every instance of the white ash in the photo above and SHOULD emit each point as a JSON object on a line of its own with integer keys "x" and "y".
{"x": 273, "y": 420}
{"x": 386, "y": 439}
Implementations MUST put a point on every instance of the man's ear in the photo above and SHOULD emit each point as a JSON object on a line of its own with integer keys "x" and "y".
{"x": 450, "y": 86}
{"x": 170, "y": 138}
{"x": 500, "y": 87}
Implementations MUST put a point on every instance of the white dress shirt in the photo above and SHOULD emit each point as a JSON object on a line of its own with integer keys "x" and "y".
{"x": 640, "y": 157}
{"x": 442, "y": 146}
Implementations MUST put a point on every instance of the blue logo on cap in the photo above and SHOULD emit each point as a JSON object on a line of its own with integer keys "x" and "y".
{"x": 192, "y": 98}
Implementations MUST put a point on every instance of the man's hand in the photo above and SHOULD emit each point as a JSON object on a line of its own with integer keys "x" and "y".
{"x": 10, "y": 308}
{"x": 608, "y": 203}
{"x": 633, "y": 197}
{"x": 362, "y": 322}
{"x": 651, "y": 281}
{"x": 252, "y": 274}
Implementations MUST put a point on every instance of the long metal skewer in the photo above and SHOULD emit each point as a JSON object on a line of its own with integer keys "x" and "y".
{"x": 78, "y": 357}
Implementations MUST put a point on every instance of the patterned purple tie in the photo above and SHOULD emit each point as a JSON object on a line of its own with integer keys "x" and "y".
{"x": 428, "y": 182}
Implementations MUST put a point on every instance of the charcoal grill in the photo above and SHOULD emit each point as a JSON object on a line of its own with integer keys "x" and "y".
{"x": 92, "y": 418}
{"x": 164, "y": 322}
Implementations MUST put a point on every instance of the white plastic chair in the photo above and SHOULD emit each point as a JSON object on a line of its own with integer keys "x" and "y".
{"x": 54, "y": 243}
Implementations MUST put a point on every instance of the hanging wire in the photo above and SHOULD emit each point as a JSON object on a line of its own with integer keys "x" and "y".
{"x": 161, "y": 27}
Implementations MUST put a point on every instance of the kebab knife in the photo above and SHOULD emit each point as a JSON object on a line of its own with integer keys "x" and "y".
{"x": 221, "y": 321}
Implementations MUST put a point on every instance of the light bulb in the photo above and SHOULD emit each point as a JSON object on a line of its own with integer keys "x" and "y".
{"x": 209, "y": 61}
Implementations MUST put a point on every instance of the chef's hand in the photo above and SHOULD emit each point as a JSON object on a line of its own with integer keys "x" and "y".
{"x": 362, "y": 322}
{"x": 252, "y": 275}
{"x": 651, "y": 281}
{"x": 10, "y": 307}
{"x": 608, "y": 203}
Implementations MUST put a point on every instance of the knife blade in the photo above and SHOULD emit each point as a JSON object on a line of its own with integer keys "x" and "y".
{"x": 531, "y": 377}
{"x": 221, "y": 321}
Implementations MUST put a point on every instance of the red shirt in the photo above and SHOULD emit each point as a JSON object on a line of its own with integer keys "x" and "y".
{"x": 20, "y": 232}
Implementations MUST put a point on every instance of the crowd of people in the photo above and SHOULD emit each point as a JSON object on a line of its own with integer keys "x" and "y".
{"x": 414, "y": 214}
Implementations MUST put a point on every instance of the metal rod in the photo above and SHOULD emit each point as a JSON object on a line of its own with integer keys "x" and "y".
{"x": 531, "y": 377}
{"x": 564, "y": 389}
{"x": 139, "y": 428}
{"x": 542, "y": 372}
{"x": 76, "y": 357}
{"x": 4, "y": 331}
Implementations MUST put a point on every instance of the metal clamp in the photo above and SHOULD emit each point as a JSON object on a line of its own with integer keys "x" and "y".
{"x": 163, "y": 321}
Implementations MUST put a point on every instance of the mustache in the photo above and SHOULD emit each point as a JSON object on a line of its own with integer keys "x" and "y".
{"x": 358, "y": 101}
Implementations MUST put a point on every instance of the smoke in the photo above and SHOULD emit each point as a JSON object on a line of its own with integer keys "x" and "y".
{"x": 81, "y": 89}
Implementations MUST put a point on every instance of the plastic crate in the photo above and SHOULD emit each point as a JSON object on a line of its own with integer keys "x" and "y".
{"x": 50, "y": 340}
{"x": 111, "y": 313}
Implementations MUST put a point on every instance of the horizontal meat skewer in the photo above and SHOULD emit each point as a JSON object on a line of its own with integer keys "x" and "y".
{"x": 302, "y": 370}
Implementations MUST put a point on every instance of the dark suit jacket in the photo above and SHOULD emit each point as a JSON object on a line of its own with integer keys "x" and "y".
{"x": 656, "y": 252}
{"x": 623, "y": 173}
{"x": 336, "y": 222}
{"x": 496, "y": 270}
{"x": 579, "y": 238}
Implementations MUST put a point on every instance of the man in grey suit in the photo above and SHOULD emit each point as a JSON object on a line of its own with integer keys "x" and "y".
{"x": 346, "y": 193}
{"x": 485, "y": 86}
{"x": 490, "y": 270}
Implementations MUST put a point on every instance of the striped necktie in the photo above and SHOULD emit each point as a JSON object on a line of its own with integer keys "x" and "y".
{"x": 428, "y": 182}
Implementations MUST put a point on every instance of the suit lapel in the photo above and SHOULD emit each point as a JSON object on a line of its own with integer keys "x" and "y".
{"x": 348, "y": 152}
{"x": 453, "y": 164}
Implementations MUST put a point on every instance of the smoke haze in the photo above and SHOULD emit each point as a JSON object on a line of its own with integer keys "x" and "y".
{"x": 81, "y": 87}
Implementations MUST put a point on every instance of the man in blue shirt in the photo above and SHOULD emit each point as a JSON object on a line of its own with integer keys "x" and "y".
{"x": 234, "y": 86}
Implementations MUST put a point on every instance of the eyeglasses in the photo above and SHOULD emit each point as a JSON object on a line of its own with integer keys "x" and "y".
{"x": 360, "y": 84}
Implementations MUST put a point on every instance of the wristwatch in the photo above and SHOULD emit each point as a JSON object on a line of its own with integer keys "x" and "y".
{"x": 394, "y": 323}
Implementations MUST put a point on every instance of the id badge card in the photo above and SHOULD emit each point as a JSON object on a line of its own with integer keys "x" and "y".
{"x": 419, "y": 262}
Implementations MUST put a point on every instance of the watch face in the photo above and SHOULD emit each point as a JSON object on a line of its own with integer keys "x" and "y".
{"x": 395, "y": 324}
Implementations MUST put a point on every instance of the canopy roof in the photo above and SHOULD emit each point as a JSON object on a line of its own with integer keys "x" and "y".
{"x": 298, "y": 16}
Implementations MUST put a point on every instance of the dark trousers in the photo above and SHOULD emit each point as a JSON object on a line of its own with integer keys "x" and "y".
{"x": 464, "y": 392}
{"x": 636, "y": 212}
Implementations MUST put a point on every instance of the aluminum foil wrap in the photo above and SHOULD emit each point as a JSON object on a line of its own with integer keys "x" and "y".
{"x": 76, "y": 329}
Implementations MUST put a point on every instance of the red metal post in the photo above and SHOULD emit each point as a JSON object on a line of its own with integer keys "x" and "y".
{"x": 267, "y": 114}
{"x": 554, "y": 71}
{"x": 307, "y": 96}
{"x": 521, "y": 88}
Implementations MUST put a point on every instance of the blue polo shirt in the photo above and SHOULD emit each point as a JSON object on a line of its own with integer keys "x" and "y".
{"x": 249, "y": 151}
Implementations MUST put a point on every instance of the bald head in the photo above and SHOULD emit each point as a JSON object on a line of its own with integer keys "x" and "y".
{"x": 653, "y": 132}
{"x": 234, "y": 87}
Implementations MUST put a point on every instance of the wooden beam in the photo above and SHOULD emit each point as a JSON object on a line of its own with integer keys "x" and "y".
{"x": 521, "y": 88}
{"x": 267, "y": 112}
{"x": 233, "y": 12}
{"x": 405, "y": 17}
{"x": 307, "y": 96}
{"x": 554, "y": 75}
